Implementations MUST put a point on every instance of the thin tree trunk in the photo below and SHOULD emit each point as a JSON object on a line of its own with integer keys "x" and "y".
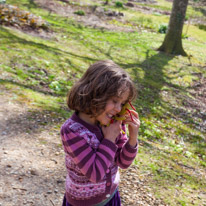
{"x": 172, "y": 43}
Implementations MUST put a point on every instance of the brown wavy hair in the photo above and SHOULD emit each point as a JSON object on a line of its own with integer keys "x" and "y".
{"x": 102, "y": 81}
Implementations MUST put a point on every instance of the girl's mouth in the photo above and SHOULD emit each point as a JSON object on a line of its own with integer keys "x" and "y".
{"x": 110, "y": 116}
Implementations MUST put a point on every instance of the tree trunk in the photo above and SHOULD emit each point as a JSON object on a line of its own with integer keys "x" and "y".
{"x": 172, "y": 43}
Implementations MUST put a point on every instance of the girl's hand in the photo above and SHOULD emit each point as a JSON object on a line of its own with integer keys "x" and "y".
{"x": 133, "y": 127}
{"x": 112, "y": 131}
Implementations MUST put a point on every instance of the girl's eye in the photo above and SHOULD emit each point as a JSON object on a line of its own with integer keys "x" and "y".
{"x": 123, "y": 104}
{"x": 114, "y": 101}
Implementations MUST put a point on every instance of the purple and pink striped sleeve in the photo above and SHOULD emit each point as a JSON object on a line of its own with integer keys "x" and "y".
{"x": 92, "y": 163}
{"x": 125, "y": 153}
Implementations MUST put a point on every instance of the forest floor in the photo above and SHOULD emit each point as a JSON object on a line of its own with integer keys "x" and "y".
{"x": 32, "y": 160}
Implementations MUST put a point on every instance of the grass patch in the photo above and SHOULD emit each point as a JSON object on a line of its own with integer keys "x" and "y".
{"x": 39, "y": 71}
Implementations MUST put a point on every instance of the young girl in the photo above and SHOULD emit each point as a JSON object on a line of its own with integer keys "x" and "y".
{"x": 94, "y": 146}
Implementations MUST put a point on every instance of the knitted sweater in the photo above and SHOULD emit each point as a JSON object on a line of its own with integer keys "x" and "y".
{"x": 92, "y": 161}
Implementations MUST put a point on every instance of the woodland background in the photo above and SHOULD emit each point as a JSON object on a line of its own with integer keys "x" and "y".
{"x": 46, "y": 45}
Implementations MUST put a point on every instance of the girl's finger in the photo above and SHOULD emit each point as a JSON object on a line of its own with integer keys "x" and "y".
{"x": 134, "y": 113}
{"x": 128, "y": 118}
{"x": 135, "y": 121}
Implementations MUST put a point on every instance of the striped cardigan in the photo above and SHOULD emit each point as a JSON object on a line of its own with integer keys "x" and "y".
{"x": 92, "y": 161}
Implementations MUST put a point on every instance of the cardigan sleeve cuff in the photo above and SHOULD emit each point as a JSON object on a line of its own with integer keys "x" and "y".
{"x": 130, "y": 148}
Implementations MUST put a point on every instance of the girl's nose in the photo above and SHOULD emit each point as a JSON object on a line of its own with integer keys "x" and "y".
{"x": 118, "y": 108}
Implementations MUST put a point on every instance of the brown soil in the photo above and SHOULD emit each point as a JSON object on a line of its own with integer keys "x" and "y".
{"x": 94, "y": 16}
{"x": 32, "y": 165}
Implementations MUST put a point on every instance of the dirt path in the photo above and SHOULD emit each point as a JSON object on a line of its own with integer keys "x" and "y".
{"x": 32, "y": 168}
{"x": 32, "y": 160}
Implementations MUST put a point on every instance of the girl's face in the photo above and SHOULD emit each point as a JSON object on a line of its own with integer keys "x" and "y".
{"x": 113, "y": 107}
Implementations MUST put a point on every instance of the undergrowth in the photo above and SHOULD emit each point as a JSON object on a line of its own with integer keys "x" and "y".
{"x": 40, "y": 71}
